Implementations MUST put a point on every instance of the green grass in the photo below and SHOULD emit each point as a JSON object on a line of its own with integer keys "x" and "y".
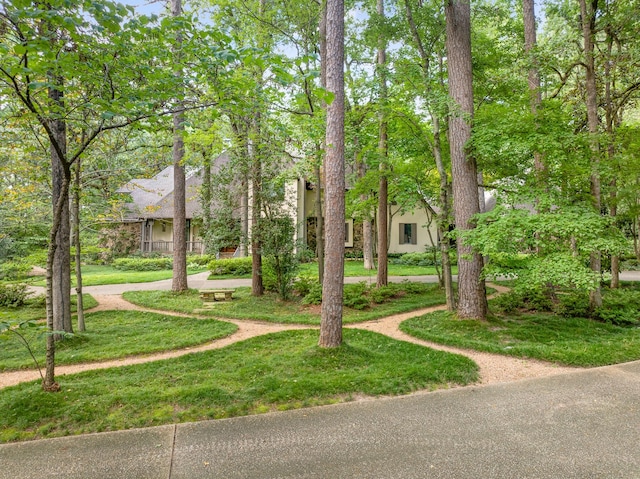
{"x": 273, "y": 372}
{"x": 571, "y": 341}
{"x": 270, "y": 308}
{"x": 34, "y": 309}
{"x": 96, "y": 275}
{"x": 116, "y": 334}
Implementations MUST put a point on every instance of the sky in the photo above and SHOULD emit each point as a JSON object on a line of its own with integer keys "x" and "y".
{"x": 147, "y": 7}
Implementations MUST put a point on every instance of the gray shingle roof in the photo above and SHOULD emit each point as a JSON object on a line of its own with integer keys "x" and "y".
{"x": 153, "y": 197}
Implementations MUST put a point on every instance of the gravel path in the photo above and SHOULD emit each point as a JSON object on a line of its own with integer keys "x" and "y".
{"x": 494, "y": 368}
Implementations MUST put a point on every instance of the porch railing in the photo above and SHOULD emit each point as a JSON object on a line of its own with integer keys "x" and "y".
{"x": 167, "y": 246}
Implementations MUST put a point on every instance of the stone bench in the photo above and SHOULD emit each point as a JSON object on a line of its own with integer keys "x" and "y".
{"x": 209, "y": 296}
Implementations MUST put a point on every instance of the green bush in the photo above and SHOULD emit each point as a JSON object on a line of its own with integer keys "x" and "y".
{"x": 630, "y": 265}
{"x": 416, "y": 259}
{"x": 143, "y": 264}
{"x": 573, "y": 305}
{"x": 314, "y": 295}
{"x": 620, "y": 306}
{"x": 355, "y": 296}
{"x": 230, "y": 266}
{"x": 13, "y": 295}
{"x": 383, "y": 293}
{"x": 200, "y": 260}
{"x": 304, "y": 284}
{"x": 13, "y": 270}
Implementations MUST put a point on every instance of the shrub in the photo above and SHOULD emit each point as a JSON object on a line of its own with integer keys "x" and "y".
{"x": 200, "y": 260}
{"x": 573, "y": 305}
{"x": 382, "y": 294}
{"x": 355, "y": 296}
{"x": 314, "y": 296}
{"x": 230, "y": 266}
{"x": 416, "y": 259}
{"x": 13, "y": 295}
{"x": 143, "y": 264}
{"x": 13, "y": 270}
{"x": 303, "y": 284}
{"x": 620, "y": 306}
{"x": 630, "y": 265}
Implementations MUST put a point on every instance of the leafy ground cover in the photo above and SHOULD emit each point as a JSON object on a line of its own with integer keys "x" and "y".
{"x": 34, "y": 309}
{"x": 273, "y": 372}
{"x": 546, "y": 336}
{"x": 115, "y": 334}
{"x": 270, "y": 308}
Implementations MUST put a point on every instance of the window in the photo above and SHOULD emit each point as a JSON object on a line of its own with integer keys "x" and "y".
{"x": 348, "y": 234}
{"x": 408, "y": 233}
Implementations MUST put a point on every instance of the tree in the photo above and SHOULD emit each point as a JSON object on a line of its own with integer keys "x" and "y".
{"x": 332, "y": 286}
{"x": 179, "y": 195}
{"x": 68, "y": 68}
{"x": 471, "y": 289}
{"x": 383, "y": 193}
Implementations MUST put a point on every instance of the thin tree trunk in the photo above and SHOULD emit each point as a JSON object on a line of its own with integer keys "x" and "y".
{"x": 257, "y": 285}
{"x": 333, "y": 284}
{"x": 318, "y": 168}
{"x": 533, "y": 77}
{"x": 611, "y": 123}
{"x": 179, "y": 195}
{"x": 471, "y": 288}
{"x": 443, "y": 218}
{"x": 587, "y": 13}
{"x": 319, "y": 224}
{"x": 367, "y": 227}
{"x": 383, "y": 192}
{"x": 61, "y": 301}
{"x": 76, "y": 242}
{"x": 206, "y": 195}
{"x": 49, "y": 383}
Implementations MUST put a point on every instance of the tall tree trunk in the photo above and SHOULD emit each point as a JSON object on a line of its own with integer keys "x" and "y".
{"x": 179, "y": 195}
{"x": 611, "y": 122}
{"x": 443, "y": 218}
{"x": 257, "y": 286}
{"x": 588, "y": 14}
{"x": 383, "y": 196}
{"x": 319, "y": 223}
{"x": 244, "y": 218}
{"x": 333, "y": 284}
{"x": 533, "y": 77}
{"x": 61, "y": 174}
{"x": 205, "y": 196}
{"x": 318, "y": 168}
{"x": 367, "y": 232}
{"x": 76, "y": 242}
{"x": 49, "y": 383}
{"x": 471, "y": 288}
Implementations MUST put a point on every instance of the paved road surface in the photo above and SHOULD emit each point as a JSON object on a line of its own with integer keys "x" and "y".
{"x": 579, "y": 425}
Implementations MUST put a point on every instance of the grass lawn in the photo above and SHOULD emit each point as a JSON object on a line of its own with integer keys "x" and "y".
{"x": 571, "y": 341}
{"x": 273, "y": 372}
{"x": 270, "y": 308}
{"x": 95, "y": 275}
{"x": 35, "y": 309}
{"x": 115, "y": 334}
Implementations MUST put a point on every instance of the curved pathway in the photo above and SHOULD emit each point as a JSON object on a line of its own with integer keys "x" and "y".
{"x": 494, "y": 368}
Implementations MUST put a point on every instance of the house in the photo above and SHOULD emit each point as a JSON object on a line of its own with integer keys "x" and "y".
{"x": 148, "y": 216}
{"x": 410, "y": 231}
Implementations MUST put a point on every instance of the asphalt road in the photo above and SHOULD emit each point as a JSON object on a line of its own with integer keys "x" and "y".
{"x": 582, "y": 424}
